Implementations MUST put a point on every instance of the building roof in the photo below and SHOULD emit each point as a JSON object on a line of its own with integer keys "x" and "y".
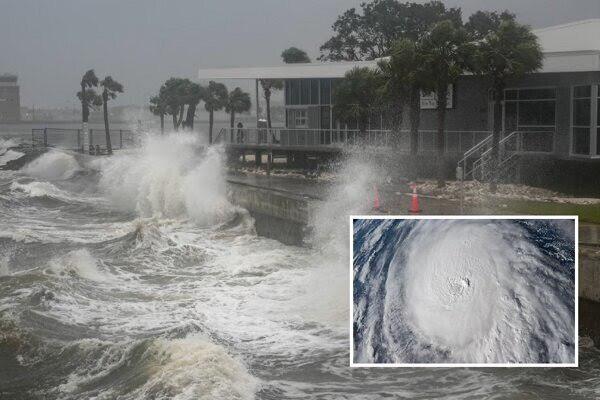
{"x": 286, "y": 71}
{"x": 574, "y": 36}
{"x": 571, "y": 47}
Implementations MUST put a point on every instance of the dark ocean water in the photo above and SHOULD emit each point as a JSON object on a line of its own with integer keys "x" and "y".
{"x": 133, "y": 277}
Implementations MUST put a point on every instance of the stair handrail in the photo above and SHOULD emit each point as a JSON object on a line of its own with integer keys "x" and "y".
{"x": 218, "y": 137}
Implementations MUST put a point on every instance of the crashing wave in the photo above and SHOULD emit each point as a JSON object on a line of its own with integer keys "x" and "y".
{"x": 53, "y": 165}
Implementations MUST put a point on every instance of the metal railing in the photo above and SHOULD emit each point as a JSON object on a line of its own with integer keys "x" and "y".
{"x": 455, "y": 141}
{"x": 509, "y": 148}
{"x": 73, "y": 139}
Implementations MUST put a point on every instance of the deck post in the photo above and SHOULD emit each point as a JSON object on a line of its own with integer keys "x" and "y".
{"x": 257, "y": 104}
{"x": 45, "y": 137}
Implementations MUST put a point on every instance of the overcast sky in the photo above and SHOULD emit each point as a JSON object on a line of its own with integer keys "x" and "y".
{"x": 49, "y": 44}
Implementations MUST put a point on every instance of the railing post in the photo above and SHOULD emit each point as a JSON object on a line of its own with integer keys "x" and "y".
{"x": 120, "y": 138}
{"x": 78, "y": 139}
{"x": 45, "y": 138}
{"x": 32, "y": 139}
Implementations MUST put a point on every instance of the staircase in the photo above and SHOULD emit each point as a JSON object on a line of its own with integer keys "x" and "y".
{"x": 478, "y": 163}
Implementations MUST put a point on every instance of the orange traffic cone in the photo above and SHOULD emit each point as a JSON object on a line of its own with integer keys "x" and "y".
{"x": 414, "y": 202}
{"x": 376, "y": 205}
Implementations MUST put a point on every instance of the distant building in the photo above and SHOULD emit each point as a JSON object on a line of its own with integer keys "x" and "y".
{"x": 10, "y": 103}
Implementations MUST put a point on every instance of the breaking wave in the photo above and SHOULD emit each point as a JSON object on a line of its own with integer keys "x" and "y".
{"x": 463, "y": 291}
{"x": 171, "y": 176}
{"x": 53, "y": 165}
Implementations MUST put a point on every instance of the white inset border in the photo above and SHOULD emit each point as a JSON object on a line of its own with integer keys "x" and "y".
{"x": 462, "y": 365}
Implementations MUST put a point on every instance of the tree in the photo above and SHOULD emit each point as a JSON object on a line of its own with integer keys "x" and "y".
{"x": 481, "y": 23}
{"x": 193, "y": 94}
{"x": 175, "y": 94}
{"x": 268, "y": 86}
{"x": 404, "y": 78}
{"x": 357, "y": 95}
{"x": 215, "y": 99}
{"x": 110, "y": 88}
{"x": 505, "y": 53}
{"x": 238, "y": 101}
{"x": 87, "y": 95}
{"x": 294, "y": 55}
{"x": 158, "y": 106}
{"x": 446, "y": 54}
{"x": 370, "y": 34}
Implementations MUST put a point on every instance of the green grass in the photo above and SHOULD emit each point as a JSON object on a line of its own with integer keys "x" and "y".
{"x": 587, "y": 213}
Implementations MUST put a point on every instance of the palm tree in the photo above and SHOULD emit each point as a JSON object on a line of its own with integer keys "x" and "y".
{"x": 505, "y": 53}
{"x": 194, "y": 93}
{"x": 445, "y": 56}
{"x": 268, "y": 86}
{"x": 237, "y": 102}
{"x": 175, "y": 94}
{"x": 158, "y": 107}
{"x": 214, "y": 100}
{"x": 294, "y": 55}
{"x": 357, "y": 95}
{"x": 110, "y": 88}
{"x": 87, "y": 95}
{"x": 404, "y": 79}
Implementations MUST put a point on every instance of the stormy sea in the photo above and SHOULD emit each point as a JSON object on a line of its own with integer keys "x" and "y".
{"x": 483, "y": 291}
{"x": 133, "y": 277}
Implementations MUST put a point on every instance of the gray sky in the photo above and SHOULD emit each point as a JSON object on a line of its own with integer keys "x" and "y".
{"x": 49, "y": 44}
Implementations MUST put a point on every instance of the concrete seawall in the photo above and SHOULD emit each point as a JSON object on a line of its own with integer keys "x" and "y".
{"x": 278, "y": 214}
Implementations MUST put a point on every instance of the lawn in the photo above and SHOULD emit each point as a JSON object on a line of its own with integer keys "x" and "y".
{"x": 587, "y": 213}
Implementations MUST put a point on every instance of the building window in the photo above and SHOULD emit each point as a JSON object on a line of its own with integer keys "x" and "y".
{"x": 532, "y": 111}
{"x": 293, "y": 91}
{"x": 325, "y": 91}
{"x": 325, "y": 117}
{"x": 581, "y": 119}
{"x": 314, "y": 91}
{"x": 300, "y": 119}
{"x": 597, "y": 119}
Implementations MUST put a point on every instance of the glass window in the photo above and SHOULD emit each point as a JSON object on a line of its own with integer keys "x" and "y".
{"x": 512, "y": 94}
{"x": 537, "y": 94}
{"x": 582, "y": 119}
{"x": 325, "y": 91}
{"x": 536, "y": 113}
{"x": 314, "y": 91}
{"x": 581, "y": 140}
{"x": 295, "y": 89}
{"x": 582, "y": 91}
{"x": 582, "y": 112}
{"x": 288, "y": 92}
{"x": 304, "y": 91}
{"x": 301, "y": 119}
{"x": 325, "y": 117}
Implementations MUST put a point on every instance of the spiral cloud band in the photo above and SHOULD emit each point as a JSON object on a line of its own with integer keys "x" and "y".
{"x": 464, "y": 291}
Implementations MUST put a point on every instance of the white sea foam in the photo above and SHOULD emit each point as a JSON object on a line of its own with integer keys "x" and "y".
{"x": 79, "y": 263}
{"x": 170, "y": 176}
{"x": 40, "y": 189}
{"x": 6, "y": 144}
{"x": 52, "y": 165}
{"x": 9, "y": 155}
{"x": 195, "y": 368}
